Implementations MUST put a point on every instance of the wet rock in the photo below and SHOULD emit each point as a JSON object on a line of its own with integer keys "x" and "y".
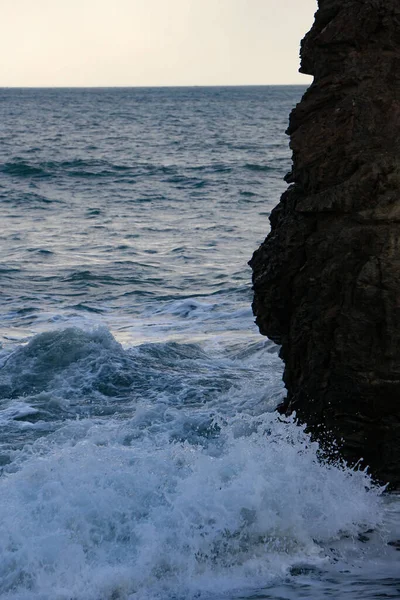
{"x": 327, "y": 277}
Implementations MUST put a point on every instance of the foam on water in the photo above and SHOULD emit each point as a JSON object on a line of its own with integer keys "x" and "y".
{"x": 156, "y": 472}
{"x": 71, "y": 372}
{"x": 122, "y": 510}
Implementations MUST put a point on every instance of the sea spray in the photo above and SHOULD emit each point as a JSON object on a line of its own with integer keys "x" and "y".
{"x": 112, "y": 509}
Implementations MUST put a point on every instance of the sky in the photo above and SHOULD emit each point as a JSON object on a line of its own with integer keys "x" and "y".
{"x": 152, "y": 42}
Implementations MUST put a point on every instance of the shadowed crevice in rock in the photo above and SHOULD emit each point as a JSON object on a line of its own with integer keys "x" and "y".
{"x": 327, "y": 277}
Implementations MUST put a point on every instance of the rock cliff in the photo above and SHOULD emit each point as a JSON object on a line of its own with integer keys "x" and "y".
{"x": 327, "y": 277}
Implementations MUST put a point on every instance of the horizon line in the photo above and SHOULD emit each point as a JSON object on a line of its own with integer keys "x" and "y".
{"x": 97, "y": 87}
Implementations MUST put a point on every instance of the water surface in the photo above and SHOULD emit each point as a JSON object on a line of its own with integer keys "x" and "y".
{"x": 140, "y": 454}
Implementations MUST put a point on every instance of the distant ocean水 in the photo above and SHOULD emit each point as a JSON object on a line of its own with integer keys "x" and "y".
{"x": 140, "y": 454}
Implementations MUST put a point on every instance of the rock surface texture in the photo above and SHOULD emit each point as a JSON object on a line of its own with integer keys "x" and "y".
{"x": 327, "y": 278}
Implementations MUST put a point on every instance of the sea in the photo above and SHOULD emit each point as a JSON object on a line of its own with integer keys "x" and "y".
{"x": 141, "y": 457}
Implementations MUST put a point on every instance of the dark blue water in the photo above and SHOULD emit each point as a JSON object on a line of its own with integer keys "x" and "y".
{"x": 140, "y": 455}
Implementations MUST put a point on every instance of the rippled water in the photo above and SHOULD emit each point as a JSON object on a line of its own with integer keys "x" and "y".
{"x": 140, "y": 455}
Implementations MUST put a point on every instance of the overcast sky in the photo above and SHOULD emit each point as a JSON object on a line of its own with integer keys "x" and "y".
{"x": 152, "y": 42}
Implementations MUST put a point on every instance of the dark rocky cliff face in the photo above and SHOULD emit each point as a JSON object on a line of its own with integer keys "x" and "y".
{"x": 327, "y": 278}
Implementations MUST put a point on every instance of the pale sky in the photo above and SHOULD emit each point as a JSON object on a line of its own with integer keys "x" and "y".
{"x": 152, "y": 42}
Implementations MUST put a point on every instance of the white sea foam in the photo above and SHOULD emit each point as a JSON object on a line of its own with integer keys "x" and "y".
{"x": 15, "y": 411}
{"x": 187, "y": 488}
{"x": 119, "y": 510}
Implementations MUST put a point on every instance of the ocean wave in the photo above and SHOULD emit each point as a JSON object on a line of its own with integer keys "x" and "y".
{"x": 29, "y": 199}
{"x": 187, "y": 182}
{"x": 70, "y": 363}
{"x": 98, "y": 514}
{"x": 248, "y": 193}
{"x": 84, "y": 372}
{"x": 100, "y": 168}
{"x": 212, "y": 168}
{"x": 87, "y": 308}
{"x": 258, "y": 167}
{"x": 73, "y": 168}
{"x": 20, "y": 168}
